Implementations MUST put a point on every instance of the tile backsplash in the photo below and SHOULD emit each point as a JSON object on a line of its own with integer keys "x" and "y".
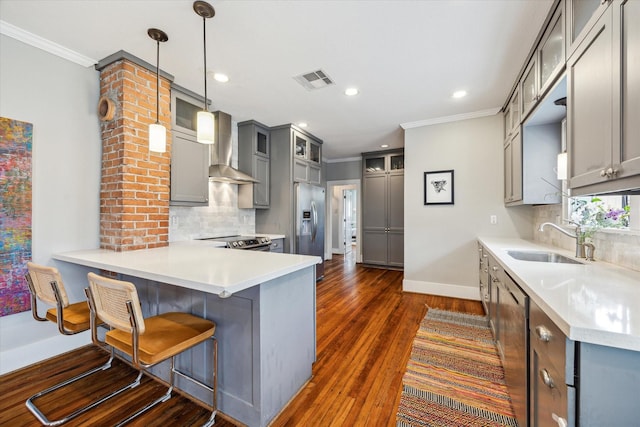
{"x": 221, "y": 218}
{"x": 616, "y": 247}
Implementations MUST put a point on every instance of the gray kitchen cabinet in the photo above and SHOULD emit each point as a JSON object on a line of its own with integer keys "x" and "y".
{"x": 530, "y": 157}
{"x": 546, "y": 63}
{"x": 307, "y": 158}
{"x": 603, "y": 104}
{"x": 570, "y": 383}
{"x": 513, "y": 169}
{"x": 512, "y": 115}
{"x": 551, "y": 51}
{"x": 576, "y": 383}
{"x": 254, "y": 142}
{"x": 189, "y": 159}
{"x": 581, "y": 16}
{"x": 483, "y": 273}
{"x": 383, "y": 208}
{"x": 494, "y": 299}
{"x": 529, "y": 87}
{"x": 280, "y": 217}
{"x": 552, "y": 392}
{"x": 277, "y": 245}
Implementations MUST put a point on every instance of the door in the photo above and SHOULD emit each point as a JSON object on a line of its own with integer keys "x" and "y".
{"x": 348, "y": 222}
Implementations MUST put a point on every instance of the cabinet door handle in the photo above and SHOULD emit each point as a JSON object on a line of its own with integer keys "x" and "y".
{"x": 494, "y": 268}
{"x": 546, "y": 378}
{"x": 603, "y": 173}
{"x": 543, "y": 333}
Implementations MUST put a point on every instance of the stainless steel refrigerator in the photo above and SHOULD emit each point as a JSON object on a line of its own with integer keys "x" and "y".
{"x": 309, "y": 220}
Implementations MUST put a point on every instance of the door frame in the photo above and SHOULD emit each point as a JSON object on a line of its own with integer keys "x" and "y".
{"x": 329, "y": 218}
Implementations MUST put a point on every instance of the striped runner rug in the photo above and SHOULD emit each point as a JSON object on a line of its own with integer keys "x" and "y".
{"x": 454, "y": 376}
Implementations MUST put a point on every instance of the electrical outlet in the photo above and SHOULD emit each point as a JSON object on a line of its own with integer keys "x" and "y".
{"x": 174, "y": 221}
{"x": 493, "y": 219}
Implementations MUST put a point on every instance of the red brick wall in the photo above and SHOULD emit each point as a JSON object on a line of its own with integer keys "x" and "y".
{"x": 134, "y": 189}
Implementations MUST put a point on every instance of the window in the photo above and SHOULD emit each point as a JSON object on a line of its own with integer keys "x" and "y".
{"x": 596, "y": 212}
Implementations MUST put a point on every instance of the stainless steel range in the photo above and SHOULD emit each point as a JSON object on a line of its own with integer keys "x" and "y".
{"x": 251, "y": 243}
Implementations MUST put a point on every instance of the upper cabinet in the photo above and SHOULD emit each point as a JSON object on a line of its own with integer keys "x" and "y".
{"x": 254, "y": 151}
{"x": 546, "y": 63}
{"x": 512, "y": 116}
{"x": 581, "y": 16}
{"x": 597, "y": 43}
{"x": 603, "y": 103}
{"x": 189, "y": 158}
{"x": 307, "y": 158}
{"x": 296, "y": 156}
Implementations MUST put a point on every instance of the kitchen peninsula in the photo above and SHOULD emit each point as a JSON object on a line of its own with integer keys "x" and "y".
{"x": 263, "y": 304}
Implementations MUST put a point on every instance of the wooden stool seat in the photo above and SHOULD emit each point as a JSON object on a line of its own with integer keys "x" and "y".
{"x": 76, "y": 317}
{"x": 165, "y": 336}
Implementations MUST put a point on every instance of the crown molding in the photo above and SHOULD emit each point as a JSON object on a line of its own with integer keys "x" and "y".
{"x": 344, "y": 159}
{"x": 448, "y": 119}
{"x": 24, "y": 36}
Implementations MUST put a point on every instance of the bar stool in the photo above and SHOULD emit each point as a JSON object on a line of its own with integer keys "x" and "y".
{"x": 148, "y": 341}
{"x": 46, "y": 285}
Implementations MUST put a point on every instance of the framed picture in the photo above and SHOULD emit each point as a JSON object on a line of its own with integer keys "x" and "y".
{"x": 438, "y": 188}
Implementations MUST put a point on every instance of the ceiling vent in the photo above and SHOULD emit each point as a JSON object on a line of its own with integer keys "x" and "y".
{"x": 314, "y": 80}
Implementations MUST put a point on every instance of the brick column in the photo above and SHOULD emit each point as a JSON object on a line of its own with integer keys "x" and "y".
{"x": 134, "y": 189}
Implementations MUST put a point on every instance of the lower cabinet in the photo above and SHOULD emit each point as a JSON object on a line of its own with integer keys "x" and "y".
{"x": 555, "y": 381}
{"x": 277, "y": 245}
{"x": 483, "y": 272}
{"x": 552, "y": 395}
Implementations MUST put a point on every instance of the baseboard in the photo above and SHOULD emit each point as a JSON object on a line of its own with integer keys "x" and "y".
{"x": 441, "y": 289}
{"x": 20, "y": 357}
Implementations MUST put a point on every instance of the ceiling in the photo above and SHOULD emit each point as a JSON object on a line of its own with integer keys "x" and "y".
{"x": 405, "y": 57}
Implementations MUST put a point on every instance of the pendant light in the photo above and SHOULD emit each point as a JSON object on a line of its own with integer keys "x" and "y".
{"x": 205, "y": 120}
{"x": 157, "y": 132}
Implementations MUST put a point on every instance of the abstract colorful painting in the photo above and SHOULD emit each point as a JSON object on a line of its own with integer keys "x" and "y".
{"x": 15, "y": 214}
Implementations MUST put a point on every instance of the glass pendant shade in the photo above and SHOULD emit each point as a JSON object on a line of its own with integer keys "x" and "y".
{"x": 157, "y": 132}
{"x": 205, "y": 127}
{"x": 157, "y": 138}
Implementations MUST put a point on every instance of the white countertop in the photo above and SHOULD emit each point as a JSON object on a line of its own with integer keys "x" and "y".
{"x": 594, "y": 302}
{"x": 199, "y": 265}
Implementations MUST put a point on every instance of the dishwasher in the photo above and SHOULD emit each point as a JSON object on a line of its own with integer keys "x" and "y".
{"x": 514, "y": 334}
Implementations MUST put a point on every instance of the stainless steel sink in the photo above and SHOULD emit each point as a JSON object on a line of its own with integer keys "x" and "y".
{"x": 538, "y": 256}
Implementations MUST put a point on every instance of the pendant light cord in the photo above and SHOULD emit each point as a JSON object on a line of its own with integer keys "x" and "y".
{"x": 158, "y": 82}
{"x": 204, "y": 37}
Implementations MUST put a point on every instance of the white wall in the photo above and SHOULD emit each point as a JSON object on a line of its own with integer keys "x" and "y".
{"x": 60, "y": 98}
{"x": 440, "y": 240}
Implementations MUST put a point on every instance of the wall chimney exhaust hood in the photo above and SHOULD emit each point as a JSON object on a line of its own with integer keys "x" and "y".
{"x": 220, "y": 169}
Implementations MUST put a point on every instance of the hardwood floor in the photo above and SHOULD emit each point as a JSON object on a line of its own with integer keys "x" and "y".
{"x": 365, "y": 328}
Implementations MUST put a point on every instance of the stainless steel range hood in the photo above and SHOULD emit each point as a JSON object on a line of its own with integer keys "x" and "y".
{"x": 220, "y": 169}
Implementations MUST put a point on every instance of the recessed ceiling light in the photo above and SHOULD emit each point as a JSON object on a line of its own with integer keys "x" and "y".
{"x": 351, "y": 91}
{"x": 460, "y": 94}
{"x": 384, "y": 146}
{"x": 302, "y": 125}
{"x": 222, "y": 78}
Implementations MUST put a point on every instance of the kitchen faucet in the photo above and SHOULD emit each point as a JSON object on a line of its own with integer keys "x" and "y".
{"x": 578, "y": 236}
